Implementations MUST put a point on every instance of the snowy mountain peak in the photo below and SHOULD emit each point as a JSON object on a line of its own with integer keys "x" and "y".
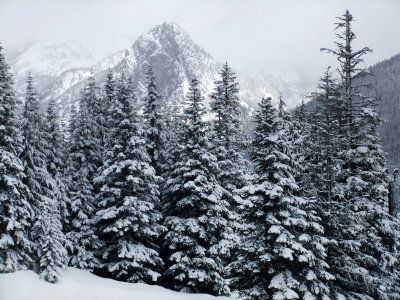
{"x": 168, "y": 38}
{"x": 60, "y": 70}
{"x": 167, "y": 28}
{"x": 175, "y": 57}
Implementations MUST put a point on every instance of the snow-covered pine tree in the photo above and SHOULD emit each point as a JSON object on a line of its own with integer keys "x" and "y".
{"x": 96, "y": 109}
{"x": 362, "y": 260}
{"x": 15, "y": 210}
{"x": 54, "y": 140}
{"x": 350, "y": 71}
{"x": 298, "y": 133}
{"x": 382, "y": 231}
{"x": 321, "y": 143}
{"x": 227, "y": 137}
{"x": 129, "y": 220}
{"x": 227, "y": 145}
{"x": 174, "y": 110}
{"x": 83, "y": 162}
{"x": 154, "y": 122}
{"x": 55, "y": 155}
{"x": 225, "y": 105}
{"x": 70, "y": 127}
{"x": 321, "y": 163}
{"x": 50, "y": 254}
{"x": 104, "y": 118}
{"x": 300, "y": 113}
{"x": 110, "y": 88}
{"x": 283, "y": 253}
{"x": 196, "y": 216}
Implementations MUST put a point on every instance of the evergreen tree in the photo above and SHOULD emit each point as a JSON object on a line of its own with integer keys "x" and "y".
{"x": 46, "y": 229}
{"x": 154, "y": 123}
{"x": 225, "y": 105}
{"x": 32, "y": 155}
{"x": 226, "y": 134}
{"x": 361, "y": 260}
{"x": 298, "y": 134}
{"x": 172, "y": 112}
{"x": 52, "y": 254}
{"x": 227, "y": 145}
{"x": 283, "y": 255}
{"x": 96, "y": 107}
{"x": 196, "y": 216}
{"x": 15, "y": 210}
{"x": 129, "y": 219}
{"x": 322, "y": 141}
{"x": 55, "y": 158}
{"x": 71, "y": 127}
{"x": 104, "y": 119}
{"x": 83, "y": 162}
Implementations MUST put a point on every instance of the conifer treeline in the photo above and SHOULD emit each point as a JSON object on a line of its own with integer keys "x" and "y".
{"x": 138, "y": 192}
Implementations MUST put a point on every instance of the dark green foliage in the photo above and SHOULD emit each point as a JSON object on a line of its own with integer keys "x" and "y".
{"x": 128, "y": 219}
{"x": 83, "y": 162}
{"x": 283, "y": 251}
{"x": 154, "y": 122}
{"x": 196, "y": 216}
{"x": 15, "y": 210}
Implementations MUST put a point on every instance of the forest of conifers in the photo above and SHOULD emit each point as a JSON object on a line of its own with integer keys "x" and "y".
{"x": 141, "y": 190}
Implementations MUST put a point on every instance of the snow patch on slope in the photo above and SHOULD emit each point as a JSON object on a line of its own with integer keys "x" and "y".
{"x": 81, "y": 285}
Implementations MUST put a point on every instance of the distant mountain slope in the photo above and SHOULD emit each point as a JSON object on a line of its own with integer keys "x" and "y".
{"x": 49, "y": 60}
{"x": 60, "y": 70}
{"x": 386, "y": 82}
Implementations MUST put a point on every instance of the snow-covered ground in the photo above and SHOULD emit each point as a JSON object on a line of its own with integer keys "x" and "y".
{"x": 80, "y": 285}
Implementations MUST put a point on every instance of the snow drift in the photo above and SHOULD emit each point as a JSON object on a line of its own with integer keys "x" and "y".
{"x": 81, "y": 285}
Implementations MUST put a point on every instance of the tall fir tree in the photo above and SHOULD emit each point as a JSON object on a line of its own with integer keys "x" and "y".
{"x": 225, "y": 105}
{"x": 227, "y": 138}
{"x": 15, "y": 210}
{"x": 129, "y": 219}
{"x": 83, "y": 162}
{"x": 55, "y": 155}
{"x": 96, "y": 110}
{"x": 298, "y": 134}
{"x": 104, "y": 119}
{"x": 283, "y": 253}
{"x": 196, "y": 216}
{"x": 155, "y": 127}
{"x": 71, "y": 126}
{"x": 321, "y": 143}
{"x": 50, "y": 254}
{"x": 227, "y": 146}
{"x": 361, "y": 260}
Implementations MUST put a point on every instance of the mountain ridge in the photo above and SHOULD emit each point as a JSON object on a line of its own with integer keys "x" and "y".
{"x": 175, "y": 57}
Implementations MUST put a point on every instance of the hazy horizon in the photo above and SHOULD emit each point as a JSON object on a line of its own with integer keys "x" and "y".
{"x": 263, "y": 37}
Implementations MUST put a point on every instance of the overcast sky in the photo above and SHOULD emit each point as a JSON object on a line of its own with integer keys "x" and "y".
{"x": 254, "y": 36}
